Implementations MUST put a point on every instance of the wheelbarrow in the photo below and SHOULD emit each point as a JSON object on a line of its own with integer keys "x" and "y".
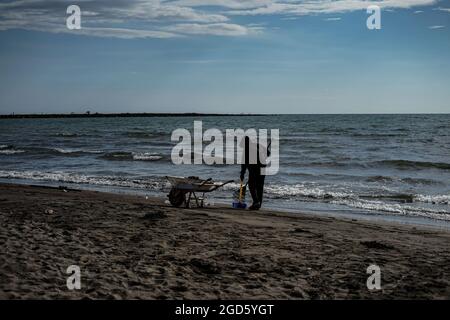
{"x": 184, "y": 190}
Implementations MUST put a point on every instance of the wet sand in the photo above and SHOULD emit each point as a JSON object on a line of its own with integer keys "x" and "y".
{"x": 129, "y": 247}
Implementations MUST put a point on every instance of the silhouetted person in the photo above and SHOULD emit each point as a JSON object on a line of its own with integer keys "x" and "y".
{"x": 255, "y": 178}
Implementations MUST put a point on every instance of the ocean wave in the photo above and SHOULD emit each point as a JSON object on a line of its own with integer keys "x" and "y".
{"x": 64, "y": 177}
{"x": 138, "y": 134}
{"x": 408, "y": 164}
{"x": 303, "y": 139}
{"x": 397, "y": 164}
{"x": 336, "y": 130}
{"x": 144, "y": 134}
{"x": 379, "y": 179}
{"x": 412, "y": 181}
{"x": 421, "y": 181}
{"x": 376, "y": 135}
{"x": 75, "y": 151}
{"x": 433, "y": 199}
{"x": 309, "y": 191}
{"x": 130, "y": 156}
{"x": 10, "y": 151}
{"x": 117, "y": 156}
{"x": 306, "y": 191}
{"x": 146, "y": 156}
{"x": 67, "y": 152}
{"x": 331, "y": 164}
{"x": 66, "y": 135}
{"x": 6, "y": 149}
{"x": 403, "y": 204}
{"x": 399, "y": 204}
{"x": 396, "y": 209}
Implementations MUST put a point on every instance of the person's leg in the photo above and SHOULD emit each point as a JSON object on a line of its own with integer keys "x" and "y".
{"x": 254, "y": 175}
{"x": 260, "y": 188}
{"x": 252, "y": 184}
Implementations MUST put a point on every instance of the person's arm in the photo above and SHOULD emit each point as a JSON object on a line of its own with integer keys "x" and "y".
{"x": 243, "y": 169}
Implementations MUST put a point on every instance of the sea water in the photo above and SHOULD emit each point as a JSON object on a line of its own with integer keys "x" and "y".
{"x": 372, "y": 165}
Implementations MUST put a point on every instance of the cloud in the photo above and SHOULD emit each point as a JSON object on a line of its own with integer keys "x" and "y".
{"x": 107, "y": 18}
{"x": 301, "y": 7}
{"x": 216, "y": 29}
{"x": 444, "y": 9}
{"x": 230, "y": 4}
{"x": 124, "y": 33}
{"x": 129, "y": 19}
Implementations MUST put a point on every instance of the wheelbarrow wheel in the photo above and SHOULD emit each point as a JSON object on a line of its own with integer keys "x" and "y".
{"x": 176, "y": 197}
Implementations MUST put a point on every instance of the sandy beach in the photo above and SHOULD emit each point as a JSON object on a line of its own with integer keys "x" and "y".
{"x": 129, "y": 247}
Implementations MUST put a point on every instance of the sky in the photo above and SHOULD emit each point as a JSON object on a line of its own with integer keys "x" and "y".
{"x": 225, "y": 56}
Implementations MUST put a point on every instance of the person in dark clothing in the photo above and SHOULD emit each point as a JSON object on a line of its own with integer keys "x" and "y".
{"x": 255, "y": 178}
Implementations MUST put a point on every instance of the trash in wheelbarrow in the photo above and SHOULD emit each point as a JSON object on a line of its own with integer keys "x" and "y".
{"x": 184, "y": 190}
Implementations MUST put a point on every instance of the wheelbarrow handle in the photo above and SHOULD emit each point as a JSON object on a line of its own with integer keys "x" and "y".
{"x": 229, "y": 181}
{"x": 205, "y": 182}
{"x": 220, "y": 185}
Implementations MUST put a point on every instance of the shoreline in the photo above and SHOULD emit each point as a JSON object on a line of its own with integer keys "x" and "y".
{"x": 374, "y": 216}
{"x": 129, "y": 247}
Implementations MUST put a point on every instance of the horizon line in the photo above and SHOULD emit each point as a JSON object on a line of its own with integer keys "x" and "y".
{"x": 180, "y": 114}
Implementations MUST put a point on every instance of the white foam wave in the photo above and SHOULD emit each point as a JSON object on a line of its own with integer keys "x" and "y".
{"x": 434, "y": 199}
{"x": 309, "y": 191}
{"x": 68, "y": 150}
{"x": 65, "y": 177}
{"x": 146, "y": 156}
{"x": 10, "y": 151}
{"x": 394, "y": 208}
{"x": 350, "y": 199}
{"x": 347, "y": 199}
